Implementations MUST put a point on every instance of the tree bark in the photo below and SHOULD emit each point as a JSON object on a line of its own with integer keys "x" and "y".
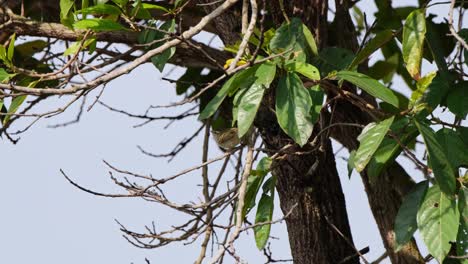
{"x": 319, "y": 214}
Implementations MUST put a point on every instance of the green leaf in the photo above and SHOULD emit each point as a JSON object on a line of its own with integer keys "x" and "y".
{"x": 286, "y": 36}
{"x": 248, "y": 106}
{"x": 98, "y": 24}
{"x": 438, "y": 222}
{"x": 27, "y": 49}
{"x": 389, "y": 149}
{"x": 74, "y": 48}
{"x": 3, "y": 54}
{"x": 436, "y": 91}
{"x": 457, "y": 98}
{"x": 332, "y": 59}
{"x": 293, "y": 104}
{"x": 437, "y": 43}
{"x": 462, "y": 237}
{"x": 310, "y": 40}
{"x": 370, "y": 139}
{"x": 303, "y": 68}
{"x": 453, "y": 146}
{"x": 66, "y": 16}
{"x": 405, "y": 222}
{"x": 178, "y": 3}
{"x": 247, "y": 103}
{"x": 439, "y": 163}
{"x": 160, "y": 60}
{"x": 15, "y": 104}
{"x": 243, "y": 78}
{"x": 5, "y": 76}
{"x": 350, "y": 164}
{"x": 264, "y": 214}
{"x": 374, "y": 88}
{"x": 121, "y": 3}
{"x": 414, "y": 32}
{"x": 422, "y": 85}
{"x": 254, "y": 182}
{"x": 380, "y": 39}
{"x": 157, "y": 7}
{"x": 265, "y": 74}
{"x": 317, "y": 95}
{"x": 11, "y": 48}
{"x": 293, "y": 38}
{"x": 101, "y": 9}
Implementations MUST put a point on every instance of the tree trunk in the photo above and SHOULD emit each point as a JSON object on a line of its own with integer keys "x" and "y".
{"x": 319, "y": 196}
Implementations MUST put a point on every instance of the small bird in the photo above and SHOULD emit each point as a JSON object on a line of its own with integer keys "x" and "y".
{"x": 227, "y": 138}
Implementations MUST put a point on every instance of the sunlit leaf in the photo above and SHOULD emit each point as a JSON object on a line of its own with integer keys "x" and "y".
{"x": 5, "y": 76}
{"x": 370, "y": 139}
{"x": 248, "y": 106}
{"x": 11, "y": 48}
{"x": 422, "y": 86}
{"x": 437, "y": 219}
{"x": 293, "y": 104}
{"x": 66, "y": 16}
{"x": 309, "y": 37}
{"x": 414, "y": 32}
{"x": 462, "y": 237}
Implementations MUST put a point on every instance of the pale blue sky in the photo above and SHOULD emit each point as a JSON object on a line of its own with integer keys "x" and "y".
{"x": 44, "y": 219}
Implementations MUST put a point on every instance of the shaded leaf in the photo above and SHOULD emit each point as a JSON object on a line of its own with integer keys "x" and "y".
{"x": 389, "y": 149}
{"x": 293, "y": 104}
{"x": 254, "y": 182}
{"x": 101, "y": 9}
{"x": 14, "y": 106}
{"x": 29, "y": 48}
{"x": 374, "y": 88}
{"x": 350, "y": 163}
{"x": 457, "y": 99}
{"x": 438, "y": 222}
{"x": 405, "y": 222}
{"x": 332, "y": 59}
{"x": 453, "y": 146}
{"x": 422, "y": 86}
{"x": 264, "y": 214}
{"x": 380, "y": 39}
{"x": 439, "y": 163}
{"x": 98, "y": 24}
{"x": 317, "y": 96}
{"x": 303, "y": 68}
{"x": 243, "y": 78}
{"x": 370, "y": 139}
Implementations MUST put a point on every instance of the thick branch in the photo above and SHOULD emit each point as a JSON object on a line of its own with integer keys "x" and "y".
{"x": 185, "y": 56}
